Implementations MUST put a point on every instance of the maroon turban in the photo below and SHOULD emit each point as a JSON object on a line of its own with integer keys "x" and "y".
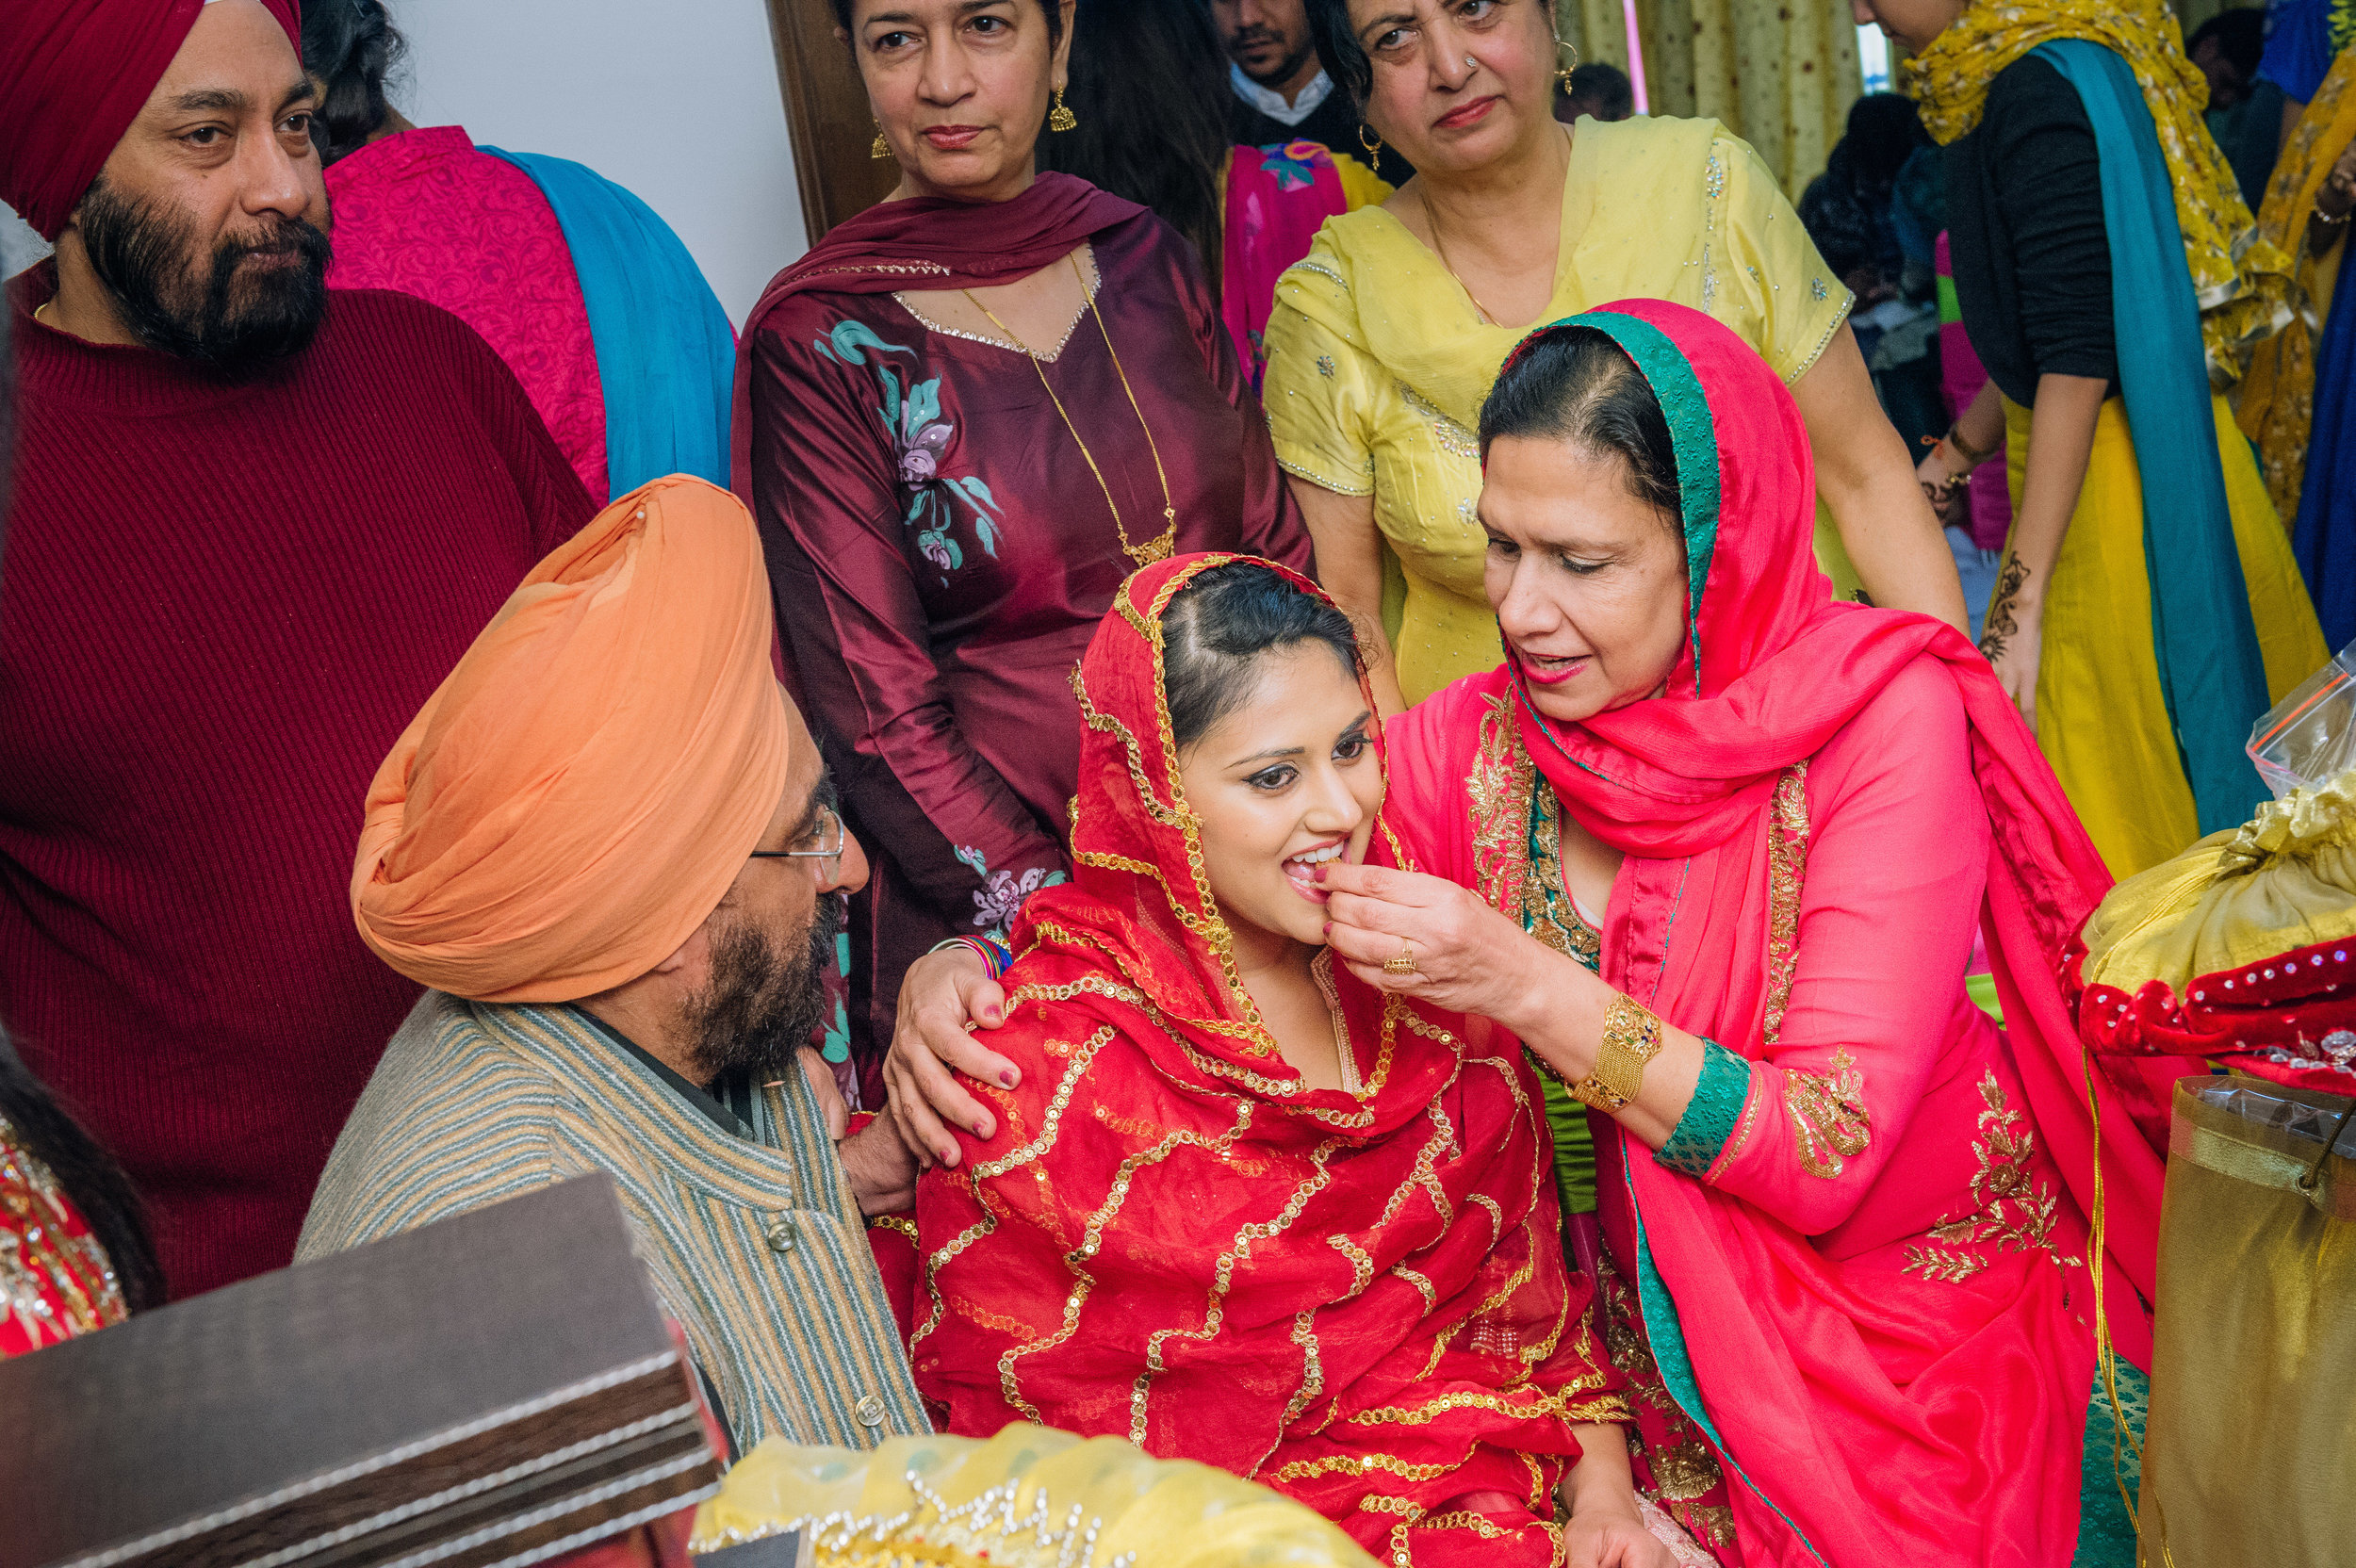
{"x": 73, "y": 74}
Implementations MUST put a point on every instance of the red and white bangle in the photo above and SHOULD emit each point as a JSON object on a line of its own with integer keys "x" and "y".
{"x": 995, "y": 958}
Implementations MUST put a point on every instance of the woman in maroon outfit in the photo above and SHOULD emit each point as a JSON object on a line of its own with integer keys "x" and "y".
{"x": 962, "y": 420}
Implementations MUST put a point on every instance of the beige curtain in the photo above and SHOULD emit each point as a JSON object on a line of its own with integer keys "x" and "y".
{"x": 1780, "y": 73}
{"x": 1593, "y": 30}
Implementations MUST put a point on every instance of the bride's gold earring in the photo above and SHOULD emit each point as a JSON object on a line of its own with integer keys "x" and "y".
{"x": 1060, "y": 118}
{"x": 879, "y": 148}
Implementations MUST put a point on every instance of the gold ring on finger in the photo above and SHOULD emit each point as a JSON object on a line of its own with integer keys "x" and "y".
{"x": 1404, "y": 963}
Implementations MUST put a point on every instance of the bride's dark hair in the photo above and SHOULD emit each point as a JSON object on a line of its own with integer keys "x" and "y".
{"x": 1576, "y": 385}
{"x": 1223, "y": 620}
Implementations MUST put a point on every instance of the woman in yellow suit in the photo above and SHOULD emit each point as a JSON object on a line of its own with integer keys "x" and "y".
{"x": 1386, "y": 339}
{"x": 2147, "y": 609}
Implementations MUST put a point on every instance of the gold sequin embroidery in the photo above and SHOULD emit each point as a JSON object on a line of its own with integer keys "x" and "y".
{"x": 1829, "y": 1114}
{"x": 37, "y": 1256}
{"x": 1786, "y": 867}
{"x": 1498, "y": 798}
{"x": 1452, "y": 437}
{"x": 2017, "y": 1211}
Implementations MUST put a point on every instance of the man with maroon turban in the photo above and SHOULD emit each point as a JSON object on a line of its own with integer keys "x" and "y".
{"x": 252, "y": 531}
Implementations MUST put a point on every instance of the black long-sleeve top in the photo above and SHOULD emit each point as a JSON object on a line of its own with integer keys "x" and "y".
{"x": 2024, "y": 212}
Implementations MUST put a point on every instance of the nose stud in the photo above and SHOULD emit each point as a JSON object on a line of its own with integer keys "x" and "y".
{"x": 1471, "y": 64}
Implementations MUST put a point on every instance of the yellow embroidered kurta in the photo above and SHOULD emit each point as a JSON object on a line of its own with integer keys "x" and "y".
{"x": 1378, "y": 362}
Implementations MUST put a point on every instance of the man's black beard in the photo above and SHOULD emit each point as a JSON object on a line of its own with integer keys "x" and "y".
{"x": 1274, "y": 80}
{"x": 760, "y": 1008}
{"x": 146, "y": 256}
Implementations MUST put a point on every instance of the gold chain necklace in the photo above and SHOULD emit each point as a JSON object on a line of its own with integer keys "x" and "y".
{"x": 1153, "y": 549}
{"x": 1433, "y": 219}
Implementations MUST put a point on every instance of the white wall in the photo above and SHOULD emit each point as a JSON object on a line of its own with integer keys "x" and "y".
{"x": 676, "y": 99}
{"x": 20, "y": 247}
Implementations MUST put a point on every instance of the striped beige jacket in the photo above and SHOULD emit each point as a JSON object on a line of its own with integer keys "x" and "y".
{"x": 755, "y": 1246}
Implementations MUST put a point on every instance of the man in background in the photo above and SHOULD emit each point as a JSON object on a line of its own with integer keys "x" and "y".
{"x": 250, "y": 533}
{"x": 1283, "y": 94}
{"x": 2244, "y": 111}
{"x": 1596, "y": 90}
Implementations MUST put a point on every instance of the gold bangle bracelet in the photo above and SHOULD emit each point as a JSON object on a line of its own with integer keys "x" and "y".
{"x": 1631, "y": 1038}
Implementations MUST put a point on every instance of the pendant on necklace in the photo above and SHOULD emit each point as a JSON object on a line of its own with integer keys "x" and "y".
{"x": 1153, "y": 550}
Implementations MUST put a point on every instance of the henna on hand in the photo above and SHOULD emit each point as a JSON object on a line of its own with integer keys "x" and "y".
{"x": 2004, "y": 622}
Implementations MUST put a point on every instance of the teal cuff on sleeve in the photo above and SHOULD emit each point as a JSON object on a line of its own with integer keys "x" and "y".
{"x": 1709, "y": 1117}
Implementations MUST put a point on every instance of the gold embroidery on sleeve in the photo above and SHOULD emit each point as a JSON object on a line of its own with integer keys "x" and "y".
{"x": 1786, "y": 865}
{"x": 2017, "y": 1211}
{"x": 1446, "y": 433}
{"x": 1829, "y": 1114}
{"x": 1498, "y": 793}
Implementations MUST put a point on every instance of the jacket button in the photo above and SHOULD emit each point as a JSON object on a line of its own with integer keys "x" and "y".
{"x": 781, "y": 1234}
{"x": 871, "y": 1412}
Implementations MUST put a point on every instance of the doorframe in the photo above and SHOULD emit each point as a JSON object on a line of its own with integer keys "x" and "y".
{"x": 824, "y": 105}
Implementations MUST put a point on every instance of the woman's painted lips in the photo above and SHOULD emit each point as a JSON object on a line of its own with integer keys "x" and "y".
{"x": 1301, "y": 870}
{"x": 1468, "y": 114}
{"x": 1553, "y": 672}
{"x": 949, "y": 139}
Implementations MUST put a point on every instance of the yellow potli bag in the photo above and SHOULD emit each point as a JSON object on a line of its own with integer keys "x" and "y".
{"x": 2249, "y": 1456}
{"x": 1030, "y": 1497}
{"x": 2243, "y": 950}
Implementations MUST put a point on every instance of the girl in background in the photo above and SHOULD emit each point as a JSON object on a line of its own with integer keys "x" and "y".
{"x": 2147, "y": 609}
{"x": 1149, "y": 83}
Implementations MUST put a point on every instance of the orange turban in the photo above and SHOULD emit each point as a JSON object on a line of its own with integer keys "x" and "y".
{"x": 580, "y": 793}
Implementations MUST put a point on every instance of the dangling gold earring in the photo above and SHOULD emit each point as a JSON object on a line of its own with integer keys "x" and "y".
{"x": 1563, "y": 76}
{"x": 1366, "y": 139}
{"x": 879, "y": 148}
{"x": 1060, "y": 118}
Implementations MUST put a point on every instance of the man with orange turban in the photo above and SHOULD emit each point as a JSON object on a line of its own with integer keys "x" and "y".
{"x": 608, "y": 846}
{"x": 251, "y": 527}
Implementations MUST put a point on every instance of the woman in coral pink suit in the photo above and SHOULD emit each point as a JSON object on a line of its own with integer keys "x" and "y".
{"x": 1750, "y": 835}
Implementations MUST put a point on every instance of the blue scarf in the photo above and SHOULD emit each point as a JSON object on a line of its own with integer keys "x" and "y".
{"x": 666, "y": 355}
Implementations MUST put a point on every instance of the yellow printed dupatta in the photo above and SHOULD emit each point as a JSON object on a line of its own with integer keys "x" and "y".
{"x": 2241, "y": 279}
{"x": 2278, "y": 402}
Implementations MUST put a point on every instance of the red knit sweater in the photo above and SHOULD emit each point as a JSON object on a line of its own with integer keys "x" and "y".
{"x": 219, "y": 606}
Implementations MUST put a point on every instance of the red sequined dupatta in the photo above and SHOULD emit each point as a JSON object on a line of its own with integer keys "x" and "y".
{"x": 1356, "y": 1295}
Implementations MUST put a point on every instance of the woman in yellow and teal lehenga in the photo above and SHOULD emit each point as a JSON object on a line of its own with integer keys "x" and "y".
{"x": 2148, "y": 607}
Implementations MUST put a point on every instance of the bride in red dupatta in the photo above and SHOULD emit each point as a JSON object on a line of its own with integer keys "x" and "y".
{"x": 1356, "y": 1294}
{"x": 1846, "y": 1252}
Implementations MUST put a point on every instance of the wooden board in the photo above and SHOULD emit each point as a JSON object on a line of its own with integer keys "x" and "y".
{"x": 486, "y": 1390}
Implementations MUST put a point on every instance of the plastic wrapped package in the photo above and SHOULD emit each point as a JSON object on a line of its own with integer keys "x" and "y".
{"x": 2310, "y": 736}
